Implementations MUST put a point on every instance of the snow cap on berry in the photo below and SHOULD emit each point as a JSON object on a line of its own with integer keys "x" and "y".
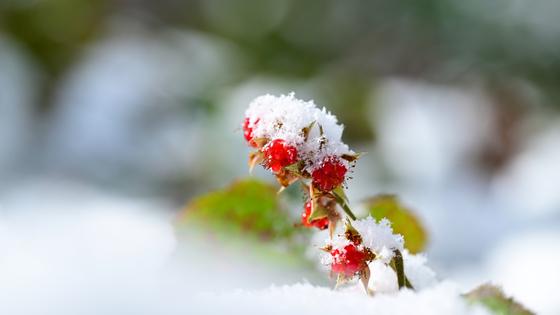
{"x": 285, "y": 117}
{"x": 378, "y": 237}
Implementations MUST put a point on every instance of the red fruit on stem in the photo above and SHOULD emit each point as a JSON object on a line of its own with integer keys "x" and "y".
{"x": 321, "y": 224}
{"x": 349, "y": 260}
{"x": 329, "y": 175}
{"x": 248, "y": 131}
{"x": 278, "y": 154}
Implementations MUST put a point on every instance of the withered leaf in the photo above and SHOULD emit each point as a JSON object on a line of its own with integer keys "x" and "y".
{"x": 403, "y": 220}
{"x": 494, "y": 299}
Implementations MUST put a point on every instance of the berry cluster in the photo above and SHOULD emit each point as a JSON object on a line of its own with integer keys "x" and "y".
{"x": 297, "y": 141}
{"x": 277, "y": 154}
{"x": 349, "y": 252}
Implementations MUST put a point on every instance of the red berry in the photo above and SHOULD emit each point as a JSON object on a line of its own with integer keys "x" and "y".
{"x": 321, "y": 224}
{"x": 278, "y": 154}
{"x": 329, "y": 175}
{"x": 348, "y": 260}
{"x": 248, "y": 132}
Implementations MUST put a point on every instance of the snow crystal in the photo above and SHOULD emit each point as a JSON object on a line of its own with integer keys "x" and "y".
{"x": 379, "y": 237}
{"x": 419, "y": 275}
{"x": 284, "y": 117}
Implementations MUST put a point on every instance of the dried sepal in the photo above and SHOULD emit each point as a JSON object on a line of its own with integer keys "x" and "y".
{"x": 365, "y": 275}
{"x": 295, "y": 168}
{"x": 307, "y": 130}
{"x": 352, "y": 234}
{"x": 317, "y": 211}
{"x": 260, "y": 142}
{"x": 255, "y": 157}
{"x": 286, "y": 178}
{"x": 322, "y": 205}
{"x": 332, "y": 227}
{"x": 351, "y": 157}
{"x": 327, "y": 248}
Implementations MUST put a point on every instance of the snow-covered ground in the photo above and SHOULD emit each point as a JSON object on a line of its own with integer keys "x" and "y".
{"x": 72, "y": 249}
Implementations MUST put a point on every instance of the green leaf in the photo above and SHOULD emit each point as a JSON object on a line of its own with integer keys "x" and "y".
{"x": 404, "y": 222}
{"x": 247, "y": 207}
{"x": 494, "y": 299}
{"x": 397, "y": 265}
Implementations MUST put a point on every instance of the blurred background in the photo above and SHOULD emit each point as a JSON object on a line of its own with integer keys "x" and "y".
{"x": 115, "y": 114}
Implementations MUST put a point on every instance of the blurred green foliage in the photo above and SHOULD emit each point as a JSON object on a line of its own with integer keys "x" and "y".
{"x": 347, "y": 45}
{"x": 247, "y": 217}
{"x": 247, "y": 207}
{"x": 403, "y": 220}
{"x": 494, "y": 299}
{"x": 54, "y": 31}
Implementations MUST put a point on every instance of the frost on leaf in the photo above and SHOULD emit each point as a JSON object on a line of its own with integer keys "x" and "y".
{"x": 403, "y": 220}
{"x": 494, "y": 299}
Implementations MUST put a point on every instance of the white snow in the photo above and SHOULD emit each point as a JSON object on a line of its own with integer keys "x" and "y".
{"x": 379, "y": 237}
{"x": 526, "y": 266}
{"x": 284, "y": 117}
{"x": 528, "y": 186}
{"x": 67, "y": 249}
{"x": 308, "y": 299}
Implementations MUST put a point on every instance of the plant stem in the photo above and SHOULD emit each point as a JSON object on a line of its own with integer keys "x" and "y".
{"x": 344, "y": 206}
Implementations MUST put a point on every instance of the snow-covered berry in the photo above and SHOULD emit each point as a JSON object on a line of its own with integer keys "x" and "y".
{"x": 329, "y": 175}
{"x": 278, "y": 154}
{"x": 248, "y": 131}
{"x": 313, "y": 131}
{"x": 321, "y": 224}
{"x": 348, "y": 260}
